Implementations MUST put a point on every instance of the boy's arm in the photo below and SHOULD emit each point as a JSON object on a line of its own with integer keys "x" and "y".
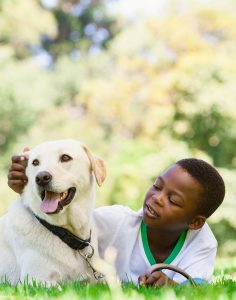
{"x": 16, "y": 175}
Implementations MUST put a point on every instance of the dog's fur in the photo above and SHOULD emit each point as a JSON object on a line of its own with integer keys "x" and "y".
{"x": 30, "y": 251}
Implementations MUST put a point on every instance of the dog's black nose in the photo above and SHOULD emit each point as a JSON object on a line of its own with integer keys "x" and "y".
{"x": 43, "y": 178}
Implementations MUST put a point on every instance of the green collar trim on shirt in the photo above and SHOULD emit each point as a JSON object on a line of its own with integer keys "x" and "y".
{"x": 172, "y": 255}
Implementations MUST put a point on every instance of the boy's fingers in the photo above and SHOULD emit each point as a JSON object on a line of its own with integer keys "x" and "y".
{"x": 157, "y": 278}
{"x": 142, "y": 280}
{"x": 161, "y": 281}
{"x": 17, "y": 167}
{"x": 154, "y": 277}
{"x": 16, "y": 182}
{"x": 15, "y": 175}
{"x": 19, "y": 159}
{"x": 16, "y": 185}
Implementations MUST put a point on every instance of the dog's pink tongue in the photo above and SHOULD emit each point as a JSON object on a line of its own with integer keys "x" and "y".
{"x": 50, "y": 202}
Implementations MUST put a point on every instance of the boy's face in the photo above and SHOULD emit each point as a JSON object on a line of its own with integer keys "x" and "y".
{"x": 171, "y": 203}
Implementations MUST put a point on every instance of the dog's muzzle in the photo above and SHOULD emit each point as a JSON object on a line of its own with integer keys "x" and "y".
{"x": 53, "y": 202}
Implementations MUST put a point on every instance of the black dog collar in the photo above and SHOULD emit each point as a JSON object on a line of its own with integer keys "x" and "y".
{"x": 66, "y": 236}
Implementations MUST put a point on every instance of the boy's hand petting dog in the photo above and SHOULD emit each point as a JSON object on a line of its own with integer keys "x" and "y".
{"x": 16, "y": 175}
{"x": 156, "y": 278}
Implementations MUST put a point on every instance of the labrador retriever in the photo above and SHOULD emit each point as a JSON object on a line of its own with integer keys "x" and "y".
{"x": 48, "y": 234}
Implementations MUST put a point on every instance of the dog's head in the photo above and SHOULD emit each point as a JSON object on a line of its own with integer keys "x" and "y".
{"x": 59, "y": 173}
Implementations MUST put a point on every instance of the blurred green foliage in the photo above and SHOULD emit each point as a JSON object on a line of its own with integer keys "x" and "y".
{"x": 155, "y": 90}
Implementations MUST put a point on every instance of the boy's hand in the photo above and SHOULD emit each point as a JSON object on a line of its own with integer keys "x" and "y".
{"x": 16, "y": 175}
{"x": 156, "y": 278}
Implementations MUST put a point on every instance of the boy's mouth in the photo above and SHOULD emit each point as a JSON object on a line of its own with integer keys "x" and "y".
{"x": 151, "y": 212}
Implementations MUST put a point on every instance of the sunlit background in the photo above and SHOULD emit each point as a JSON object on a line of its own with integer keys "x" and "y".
{"x": 142, "y": 83}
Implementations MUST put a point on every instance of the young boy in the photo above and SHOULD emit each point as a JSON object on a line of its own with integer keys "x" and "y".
{"x": 170, "y": 228}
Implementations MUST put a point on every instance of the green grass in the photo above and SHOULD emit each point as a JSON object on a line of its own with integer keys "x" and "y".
{"x": 223, "y": 288}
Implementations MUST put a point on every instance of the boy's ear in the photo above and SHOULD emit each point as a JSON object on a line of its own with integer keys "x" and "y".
{"x": 197, "y": 223}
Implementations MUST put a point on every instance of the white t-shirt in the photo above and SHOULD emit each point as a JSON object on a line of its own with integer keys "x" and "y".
{"x": 120, "y": 227}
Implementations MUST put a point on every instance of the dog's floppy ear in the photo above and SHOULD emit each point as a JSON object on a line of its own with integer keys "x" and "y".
{"x": 98, "y": 166}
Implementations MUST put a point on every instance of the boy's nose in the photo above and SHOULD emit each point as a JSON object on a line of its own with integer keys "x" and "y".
{"x": 158, "y": 198}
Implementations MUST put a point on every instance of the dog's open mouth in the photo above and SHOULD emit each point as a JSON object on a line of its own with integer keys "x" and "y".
{"x": 54, "y": 202}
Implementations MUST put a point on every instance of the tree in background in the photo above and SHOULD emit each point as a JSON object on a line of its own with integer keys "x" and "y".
{"x": 29, "y": 31}
{"x": 81, "y": 26}
{"x": 59, "y": 28}
{"x": 21, "y": 25}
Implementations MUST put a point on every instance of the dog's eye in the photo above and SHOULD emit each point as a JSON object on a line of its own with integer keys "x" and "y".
{"x": 65, "y": 158}
{"x": 35, "y": 162}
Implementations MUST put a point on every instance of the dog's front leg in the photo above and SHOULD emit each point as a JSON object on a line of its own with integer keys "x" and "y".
{"x": 39, "y": 271}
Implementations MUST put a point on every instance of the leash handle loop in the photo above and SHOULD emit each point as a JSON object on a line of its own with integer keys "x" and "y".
{"x": 158, "y": 267}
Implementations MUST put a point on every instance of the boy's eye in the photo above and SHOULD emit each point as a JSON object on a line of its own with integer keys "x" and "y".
{"x": 65, "y": 158}
{"x": 35, "y": 162}
{"x": 156, "y": 187}
{"x": 173, "y": 202}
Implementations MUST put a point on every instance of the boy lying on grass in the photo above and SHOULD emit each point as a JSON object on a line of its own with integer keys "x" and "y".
{"x": 171, "y": 228}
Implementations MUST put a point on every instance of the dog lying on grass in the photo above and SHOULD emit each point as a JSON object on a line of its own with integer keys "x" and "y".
{"x": 48, "y": 234}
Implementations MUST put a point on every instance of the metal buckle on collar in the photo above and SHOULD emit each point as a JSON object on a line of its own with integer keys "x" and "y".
{"x": 88, "y": 255}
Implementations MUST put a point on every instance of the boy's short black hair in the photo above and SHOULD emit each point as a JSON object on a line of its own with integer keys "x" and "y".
{"x": 213, "y": 187}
